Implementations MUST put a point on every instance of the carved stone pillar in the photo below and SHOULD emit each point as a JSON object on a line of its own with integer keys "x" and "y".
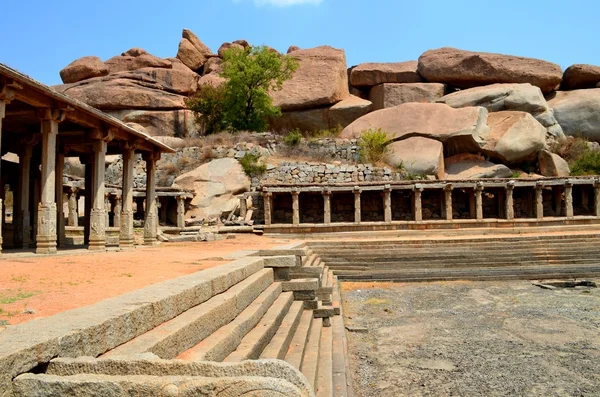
{"x": 418, "y": 206}
{"x": 268, "y": 203}
{"x": 60, "y": 215}
{"x": 295, "y": 208}
{"x": 539, "y": 201}
{"x": 23, "y": 238}
{"x": 107, "y": 209}
{"x": 126, "y": 240}
{"x": 597, "y": 198}
{"x": 327, "y": 207}
{"x": 510, "y": 208}
{"x": 117, "y": 212}
{"x": 181, "y": 211}
{"x": 357, "y": 208}
{"x": 98, "y": 211}
{"x": 151, "y": 216}
{"x": 46, "y": 225}
{"x": 569, "y": 198}
{"x": 448, "y": 201}
{"x": 387, "y": 204}
{"x": 479, "y": 201}
{"x": 87, "y": 198}
{"x": 73, "y": 219}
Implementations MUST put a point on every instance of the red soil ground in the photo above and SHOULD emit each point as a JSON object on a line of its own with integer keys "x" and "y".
{"x": 47, "y": 285}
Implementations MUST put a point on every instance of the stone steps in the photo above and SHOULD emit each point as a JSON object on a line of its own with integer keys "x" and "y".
{"x": 295, "y": 352}
{"x": 324, "y": 385}
{"x": 280, "y": 343}
{"x": 310, "y": 360}
{"x": 412, "y": 261}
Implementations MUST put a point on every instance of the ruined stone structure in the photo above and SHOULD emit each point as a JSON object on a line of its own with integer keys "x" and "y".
{"x": 43, "y": 127}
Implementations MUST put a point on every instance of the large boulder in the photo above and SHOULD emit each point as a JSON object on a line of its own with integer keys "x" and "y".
{"x": 372, "y": 74}
{"x": 213, "y": 79}
{"x": 581, "y": 76}
{"x": 499, "y": 97}
{"x": 213, "y": 65}
{"x": 578, "y": 112}
{"x": 192, "y": 52}
{"x": 466, "y": 69}
{"x": 388, "y": 95}
{"x": 459, "y": 128}
{"x": 176, "y": 123}
{"x": 226, "y": 46}
{"x": 178, "y": 80}
{"x": 552, "y": 165}
{"x": 471, "y": 166}
{"x": 321, "y": 80}
{"x": 82, "y": 69}
{"x": 514, "y": 137}
{"x": 125, "y": 63}
{"x": 420, "y": 156}
{"x": 215, "y": 187}
{"x": 346, "y": 111}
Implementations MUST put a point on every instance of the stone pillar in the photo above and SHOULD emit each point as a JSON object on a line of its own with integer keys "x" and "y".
{"x": 243, "y": 207}
{"x": 448, "y": 201}
{"x": 73, "y": 219}
{"x": 387, "y": 204}
{"x": 107, "y": 209}
{"x": 181, "y": 211}
{"x": 418, "y": 207}
{"x": 597, "y": 198}
{"x": 87, "y": 192}
{"x": 150, "y": 220}
{"x": 539, "y": 201}
{"x": 510, "y": 209}
{"x": 357, "y": 209}
{"x": 117, "y": 212}
{"x": 60, "y": 215}
{"x": 24, "y": 222}
{"x": 46, "y": 222}
{"x": 98, "y": 211}
{"x": 126, "y": 226}
{"x": 327, "y": 207}
{"x": 569, "y": 198}
{"x": 7, "y": 94}
{"x": 268, "y": 202}
{"x": 479, "y": 201}
{"x": 295, "y": 208}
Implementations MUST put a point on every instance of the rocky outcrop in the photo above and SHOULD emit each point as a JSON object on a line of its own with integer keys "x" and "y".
{"x": 552, "y": 165}
{"x": 471, "y": 166}
{"x": 226, "y": 46}
{"x": 581, "y": 76}
{"x": 346, "y": 111}
{"x": 83, "y": 68}
{"x": 178, "y": 123}
{"x": 213, "y": 65}
{"x": 321, "y": 80}
{"x": 419, "y": 156}
{"x": 192, "y": 52}
{"x": 388, "y": 95}
{"x": 514, "y": 137}
{"x": 499, "y": 97}
{"x": 466, "y": 69}
{"x": 372, "y": 74}
{"x": 125, "y": 63}
{"x": 215, "y": 187}
{"x": 578, "y": 112}
{"x": 459, "y": 128}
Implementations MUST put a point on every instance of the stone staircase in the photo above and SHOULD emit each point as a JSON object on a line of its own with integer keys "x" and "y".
{"x": 533, "y": 256}
{"x": 285, "y": 310}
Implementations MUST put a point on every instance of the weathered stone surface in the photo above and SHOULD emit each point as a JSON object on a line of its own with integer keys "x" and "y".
{"x": 499, "y": 97}
{"x": 242, "y": 42}
{"x": 293, "y": 48}
{"x": 135, "y": 52}
{"x": 465, "y": 69}
{"x": 578, "y": 112}
{"x": 82, "y": 69}
{"x": 552, "y": 165}
{"x": 282, "y": 261}
{"x": 460, "y": 128}
{"x": 171, "y": 141}
{"x": 211, "y": 79}
{"x": 514, "y": 137}
{"x": 372, "y": 74}
{"x": 346, "y": 111}
{"x": 311, "y": 120}
{"x": 320, "y": 80}
{"x": 216, "y": 185}
{"x": 192, "y": 52}
{"x": 471, "y": 166}
{"x": 176, "y": 123}
{"x": 417, "y": 155}
{"x": 213, "y": 65}
{"x": 226, "y": 46}
{"x": 124, "y": 63}
{"x": 393, "y": 94}
{"x": 178, "y": 80}
{"x": 581, "y": 76}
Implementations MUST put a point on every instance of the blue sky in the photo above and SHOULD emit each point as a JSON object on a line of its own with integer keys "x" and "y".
{"x": 40, "y": 37}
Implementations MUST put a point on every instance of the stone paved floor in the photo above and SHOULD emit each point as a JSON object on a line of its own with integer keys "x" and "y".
{"x": 473, "y": 339}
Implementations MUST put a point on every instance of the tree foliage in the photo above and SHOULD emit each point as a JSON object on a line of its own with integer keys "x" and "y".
{"x": 244, "y": 103}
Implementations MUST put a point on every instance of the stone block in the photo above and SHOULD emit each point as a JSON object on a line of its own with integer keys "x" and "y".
{"x": 301, "y": 284}
{"x": 282, "y": 261}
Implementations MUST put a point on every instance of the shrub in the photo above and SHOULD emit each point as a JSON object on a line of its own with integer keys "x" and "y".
{"x": 372, "y": 145}
{"x": 209, "y": 107}
{"x": 293, "y": 138}
{"x": 587, "y": 163}
{"x": 251, "y": 165}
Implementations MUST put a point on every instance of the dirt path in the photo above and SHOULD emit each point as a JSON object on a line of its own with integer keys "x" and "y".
{"x": 473, "y": 339}
{"x": 41, "y": 286}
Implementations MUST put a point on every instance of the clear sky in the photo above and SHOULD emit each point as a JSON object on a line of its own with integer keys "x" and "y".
{"x": 40, "y": 37}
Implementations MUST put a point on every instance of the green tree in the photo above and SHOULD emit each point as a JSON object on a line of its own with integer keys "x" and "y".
{"x": 208, "y": 106}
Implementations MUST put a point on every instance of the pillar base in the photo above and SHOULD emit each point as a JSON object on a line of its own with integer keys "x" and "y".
{"x": 46, "y": 233}
{"x": 46, "y": 245}
{"x": 97, "y": 230}
{"x": 151, "y": 242}
{"x": 126, "y": 245}
{"x": 97, "y": 245}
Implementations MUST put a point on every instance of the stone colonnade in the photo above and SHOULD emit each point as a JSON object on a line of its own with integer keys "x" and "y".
{"x": 559, "y": 199}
